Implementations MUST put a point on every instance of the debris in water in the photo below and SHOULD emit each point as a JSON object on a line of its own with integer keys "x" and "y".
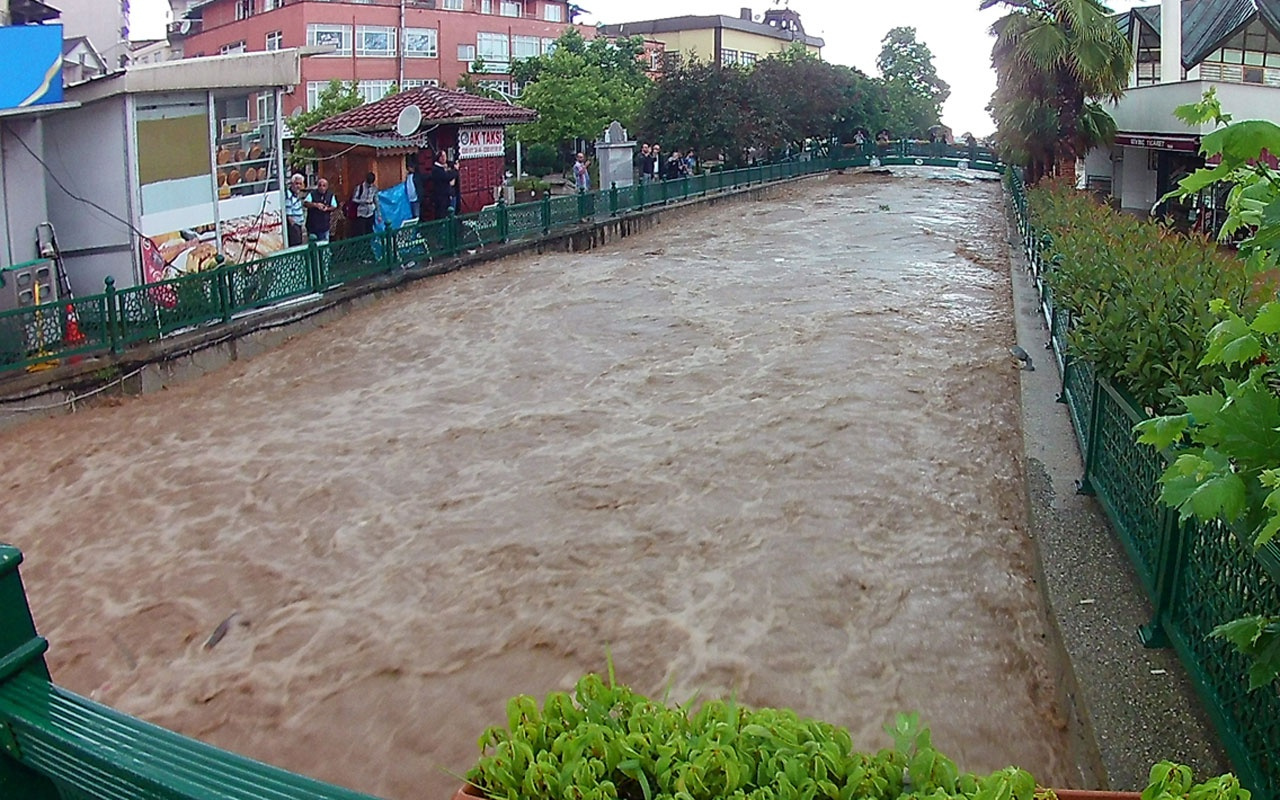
{"x": 219, "y": 631}
{"x": 1088, "y": 601}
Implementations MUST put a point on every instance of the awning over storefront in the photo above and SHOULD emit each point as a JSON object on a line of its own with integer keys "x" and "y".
{"x": 1182, "y": 143}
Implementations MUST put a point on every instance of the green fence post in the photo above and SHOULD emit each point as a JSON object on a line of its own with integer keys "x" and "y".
{"x": 684, "y": 188}
{"x": 1085, "y": 485}
{"x": 664, "y": 191}
{"x": 451, "y": 238}
{"x": 546, "y": 213}
{"x": 504, "y": 220}
{"x": 113, "y": 315}
{"x": 613, "y": 199}
{"x": 582, "y": 204}
{"x": 640, "y": 189}
{"x": 223, "y": 285}
{"x": 313, "y": 262}
{"x": 1169, "y": 564}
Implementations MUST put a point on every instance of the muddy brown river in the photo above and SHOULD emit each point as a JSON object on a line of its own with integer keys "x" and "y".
{"x": 769, "y": 448}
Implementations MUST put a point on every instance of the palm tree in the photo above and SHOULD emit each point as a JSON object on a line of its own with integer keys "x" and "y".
{"x": 1055, "y": 60}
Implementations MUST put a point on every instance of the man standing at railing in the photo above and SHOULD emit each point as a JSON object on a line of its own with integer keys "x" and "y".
{"x": 294, "y": 213}
{"x": 320, "y": 203}
{"x": 581, "y": 174}
{"x": 441, "y": 191}
{"x": 411, "y": 190}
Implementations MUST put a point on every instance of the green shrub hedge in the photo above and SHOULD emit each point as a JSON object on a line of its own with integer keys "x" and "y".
{"x": 1139, "y": 294}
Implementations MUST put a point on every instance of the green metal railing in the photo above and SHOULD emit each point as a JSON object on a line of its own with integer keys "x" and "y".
{"x": 1197, "y": 575}
{"x": 906, "y": 152}
{"x": 119, "y": 318}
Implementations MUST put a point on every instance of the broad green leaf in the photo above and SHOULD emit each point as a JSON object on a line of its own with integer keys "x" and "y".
{"x": 1247, "y": 429}
{"x": 1161, "y": 432}
{"x": 1231, "y": 342}
{"x": 1242, "y": 141}
{"x": 1267, "y": 319}
{"x": 1242, "y": 633}
{"x": 1200, "y": 179}
{"x": 1203, "y": 407}
{"x": 1222, "y": 495}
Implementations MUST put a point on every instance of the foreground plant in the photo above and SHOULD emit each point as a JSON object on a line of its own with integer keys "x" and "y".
{"x": 1228, "y": 457}
{"x": 607, "y": 742}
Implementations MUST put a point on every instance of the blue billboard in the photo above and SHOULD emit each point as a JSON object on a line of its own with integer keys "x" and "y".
{"x": 31, "y": 63}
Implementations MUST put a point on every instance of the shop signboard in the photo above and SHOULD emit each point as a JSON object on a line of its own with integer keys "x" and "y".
{"x": 481, "y": 142}
{"x": 31, "y": 63}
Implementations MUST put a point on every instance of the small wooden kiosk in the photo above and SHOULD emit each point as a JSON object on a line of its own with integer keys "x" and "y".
{"x": 470, "y": 129}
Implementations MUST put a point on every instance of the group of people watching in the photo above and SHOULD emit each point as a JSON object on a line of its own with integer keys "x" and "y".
{"x": 653, "y": 167}
{"x": 309, "y": 212}
{"x": 434, "y": 192}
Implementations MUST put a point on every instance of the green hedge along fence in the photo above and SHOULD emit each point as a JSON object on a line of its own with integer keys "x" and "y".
{"x": 1197, "y": 575}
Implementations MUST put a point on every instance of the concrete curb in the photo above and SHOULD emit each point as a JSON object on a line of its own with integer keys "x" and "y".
{"x": 1130, "y": 707}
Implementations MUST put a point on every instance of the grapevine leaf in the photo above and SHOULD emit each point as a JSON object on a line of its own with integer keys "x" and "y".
{"x": 1231, "y": 342}
{"x": 1203, "y": 407}
{"x": 1242, "y": 141}
{"x": 1223, "y": 495}
{"x": 1204, "y": 485}
{"x": 1201, "y": 179}
{"x": 1268, "y": 319}
{"x": 1161, "y": 432}
{"x": 1266, "y": 655}
{"x": 1248, "y": 427}
{"x": 1271, "y": 525}
{"x": 1243, "y": 632}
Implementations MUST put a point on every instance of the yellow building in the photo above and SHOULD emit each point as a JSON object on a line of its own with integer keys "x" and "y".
{"x": 739, "y": 40}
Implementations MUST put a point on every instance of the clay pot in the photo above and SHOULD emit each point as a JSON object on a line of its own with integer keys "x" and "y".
{"x": 467, "y": 792}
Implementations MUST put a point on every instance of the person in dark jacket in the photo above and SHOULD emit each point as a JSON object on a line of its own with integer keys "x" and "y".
{"x": 441, "y": 191}
{"x": 646, "y": 163}
{"x": 455, "y": 186}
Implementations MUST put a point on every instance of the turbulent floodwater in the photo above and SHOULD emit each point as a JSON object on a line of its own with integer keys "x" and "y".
{"x": 769, "y": 448}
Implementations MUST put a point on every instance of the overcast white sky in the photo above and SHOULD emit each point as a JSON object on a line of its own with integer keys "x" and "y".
{"x": 954, "y": 30}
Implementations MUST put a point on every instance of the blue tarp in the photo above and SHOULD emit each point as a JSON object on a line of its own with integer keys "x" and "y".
{"x": 393, "y": 204}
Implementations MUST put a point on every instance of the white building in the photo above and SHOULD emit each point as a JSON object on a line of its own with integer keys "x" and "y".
{"x": 103, "y": 22}
{"x": 1181, "y": 49}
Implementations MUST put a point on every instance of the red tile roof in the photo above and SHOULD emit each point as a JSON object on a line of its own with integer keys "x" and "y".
{"x": 437, "y": 105}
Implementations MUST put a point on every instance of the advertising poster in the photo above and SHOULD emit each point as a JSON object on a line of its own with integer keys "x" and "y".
{"x": 250, "y": 227}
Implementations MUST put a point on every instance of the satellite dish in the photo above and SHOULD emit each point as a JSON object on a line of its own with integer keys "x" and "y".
{"x": 409, "y": 120}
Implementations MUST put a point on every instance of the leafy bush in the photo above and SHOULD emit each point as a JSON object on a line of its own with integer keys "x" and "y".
{"x": 541, "y": 159}
{"x": 1228, "y": 458}
{"x": 1139, "y": 294}
{"x": 532, "y": 185}
{"x": 606, "y": 742}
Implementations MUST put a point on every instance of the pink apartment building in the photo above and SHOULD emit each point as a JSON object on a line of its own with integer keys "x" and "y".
{"x": 381, "y": 43}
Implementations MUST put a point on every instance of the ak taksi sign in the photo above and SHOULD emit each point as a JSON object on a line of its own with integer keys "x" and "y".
{"x": 481, "y": 142}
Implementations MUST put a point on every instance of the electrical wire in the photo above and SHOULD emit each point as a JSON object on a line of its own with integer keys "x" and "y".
{"x": 67, "y": 191}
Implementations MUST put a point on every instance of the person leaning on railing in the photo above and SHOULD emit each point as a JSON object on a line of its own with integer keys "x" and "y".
{"x": 294, "y": 213}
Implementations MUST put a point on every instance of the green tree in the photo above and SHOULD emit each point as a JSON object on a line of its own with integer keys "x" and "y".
{"x": 913, "y": 90}
{"x": 580, "y": 87}
{"x": 835, "y": 100}
{"x": 708, "y": 107}
{"x": 1054, "y": 60}
{"x": 333, "y": 99}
